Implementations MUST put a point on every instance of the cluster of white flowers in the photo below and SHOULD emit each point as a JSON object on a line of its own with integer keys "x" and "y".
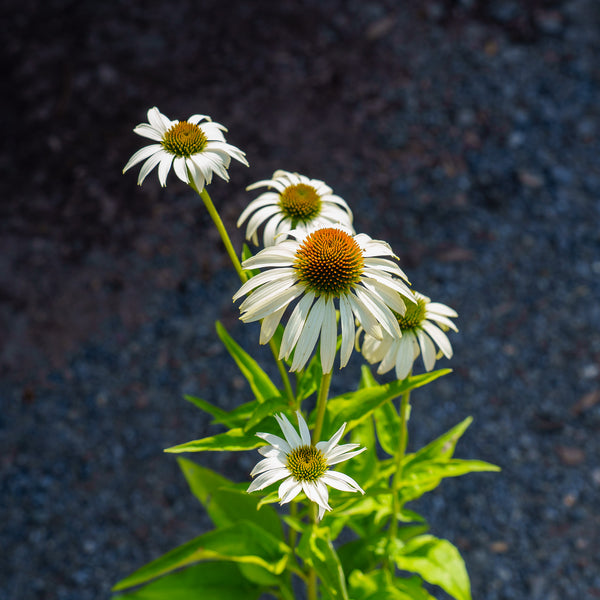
{"x": 311, "y": 255}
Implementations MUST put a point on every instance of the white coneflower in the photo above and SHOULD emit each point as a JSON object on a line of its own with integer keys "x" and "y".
{"x": 194, "y": 148}
{"x": 322, "y": 265}
{"x": 422, "y": 328}
{"x": 304, "y": 467}
{"x": 296, "y": 203}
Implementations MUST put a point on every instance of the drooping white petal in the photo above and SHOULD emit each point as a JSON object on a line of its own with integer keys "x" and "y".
{"x": 288, "y": 490}
{"x": 341, "y": 481}
{"x": 149, "y": 165}
{"x": 328, "y": 336}
{"x": 269, "y": 325}
{"x": 427, "y": 349}
{"x": 439, "y": 337}
{"x": 295, "y": 325}
{"x": 267, "y": 478}
{"x": 441, "y": 309}
{"x": 164, "y": 167}
{"x": 310, "y": 333}
{"x": 442, "y": 320}
{"x": 347, "y": 323}
{"x": 142, "y": 154}
{"x": 404, "y": 356}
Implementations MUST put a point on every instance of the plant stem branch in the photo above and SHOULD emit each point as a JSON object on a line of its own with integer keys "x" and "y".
{"x": 321, "y": 406}
{"x": 214, "y": 215}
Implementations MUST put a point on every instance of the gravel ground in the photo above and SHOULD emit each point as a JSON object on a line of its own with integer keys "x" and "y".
{"x": 465, "y": 133}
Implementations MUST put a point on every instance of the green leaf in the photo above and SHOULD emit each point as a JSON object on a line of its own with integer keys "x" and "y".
{"x": 363, "y": 553}
{"x": 424, "y": 476}
{"x": 442, "y": 447}
{"x": 219, "y": 414}
{"x": 266, "y": 409}
{"x": 217, "y": 580}
{"x": 437, "y": 562}
{"x": 233, "y": 440}
{"x": 366, "y": 378}
{"x": 225, "y": 503}
{"x": 354, "y": 407}
{"x": 262, "y": 386}
{"x": 242, "y": 542}
{"x": 380, "y": 585}
{"x": 317, "y": 551}
{"x": 388, "y": 425}
{"x": 309, "y": 379}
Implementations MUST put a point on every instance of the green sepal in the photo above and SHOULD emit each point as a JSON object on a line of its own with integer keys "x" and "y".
{"x": 225, "y": 502}
{"x": 317, "y": 551}
{"x": 437, "y": 561}
{"x": 243, "y": 542}
{"x": 262, "y": 386}
{"x": 217, "y": 580}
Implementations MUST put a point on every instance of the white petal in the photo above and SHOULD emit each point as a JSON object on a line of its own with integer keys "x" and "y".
{"x": 427, "y": 349}
{"x": 181, "y": 169}
{"x": 142, "y": 154}
{"x": 326, "y": 447}
{"x": 268, "y": 306}
{"x": 309, "y": 335}
{"x": 275, "y": 441}
{"x": 441, "y": 320}
{"x": 259, "y": 217}
{"x": 164, "y": 167}
{"x": 390, "y": 282}
{"x": 155, "y": 118}
{"x": 439, "y": 337}
{"x": 288, "y": 490}
{"x": 441, "y": 309}
{"x": 378, "y": 309}
{"x": 317, "y": 492}
{"x": 262, "y": 278}
{"x": 347, "y": 323}
{"x": 266, "y": 479}
{"x": 295, "y": 325}
{"x": 389, "y": 359}
{"x": 269, "y": 325}
{"x": 328, "y": 336}
{"x": 267, "y": 464}
{"x": 291, "y": 435}
{"x": 343, "y": 455}
{"x": 149, "y": 132}
{"x": 304, "y": 432}
{"x": 341, "y": 481}
{"x": 266, "y": 199}
{"x": 149, "y": 165}
{"x": 404, "y": 356}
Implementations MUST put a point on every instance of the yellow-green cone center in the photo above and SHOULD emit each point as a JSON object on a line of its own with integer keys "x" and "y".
{"x": 184, "y": 139}
{"x": 414, "y": 316}
{"x": 306, "y": 463}
{"x": 329, "y": 262}
{"x": 300, "y": 203}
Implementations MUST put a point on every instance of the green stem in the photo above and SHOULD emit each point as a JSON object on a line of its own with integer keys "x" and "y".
{"x": 283, "y": 372}
{"x": 214, "y": 215}
{"x": 212, "y": 211}
{"x": 398, "y": 459}
{"x": 312, "y": 589}
{"x": 321, "y": 406}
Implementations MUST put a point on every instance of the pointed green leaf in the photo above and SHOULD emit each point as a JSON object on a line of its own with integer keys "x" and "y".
{"x": 243, "y": 542}
{"x": 233, "y": 440}
{"x": 437, "y": 562}
{"x": 388, "y": 425}
{"x": 442, "y": 447}
{"x": 380, "y": 585}
{"x": 225, "y": 503}
{"x": 317, "y": 551}
{"x": 259, "y": 381}
{"x": 219, "y": 414}
{"x": 217, "y": 580}
{"x": 266, "y": 409}
{"x": 354, "y": 407}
